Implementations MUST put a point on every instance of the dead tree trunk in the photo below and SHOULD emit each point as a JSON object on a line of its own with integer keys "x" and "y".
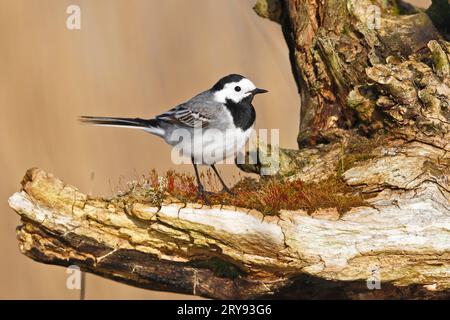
{"x": 365, "y": 65}
{"x": 374, "y": 80}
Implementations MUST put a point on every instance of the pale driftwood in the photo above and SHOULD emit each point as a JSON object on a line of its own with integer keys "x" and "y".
{"x": 228, "y": 252}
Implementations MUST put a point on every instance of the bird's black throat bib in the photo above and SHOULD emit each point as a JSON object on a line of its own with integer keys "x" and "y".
{"x": 243, "y": 113}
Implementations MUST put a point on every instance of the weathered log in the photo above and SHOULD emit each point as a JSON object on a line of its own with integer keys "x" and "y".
{"x": 228, "y": 252}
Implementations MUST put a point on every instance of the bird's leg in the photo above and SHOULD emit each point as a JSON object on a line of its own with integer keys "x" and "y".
{"x": 225, "y": 188}
{"x": 201, "y": 190}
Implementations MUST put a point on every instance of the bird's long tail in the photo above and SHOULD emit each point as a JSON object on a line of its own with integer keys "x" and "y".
{"x": 149, "y": 125}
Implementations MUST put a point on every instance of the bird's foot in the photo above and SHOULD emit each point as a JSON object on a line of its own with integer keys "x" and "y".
{"x": 202, "y": 194}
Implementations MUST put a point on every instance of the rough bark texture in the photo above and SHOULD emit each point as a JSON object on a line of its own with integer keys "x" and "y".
{"x": 355, "y": 72}
{"x": 375, "y": 113}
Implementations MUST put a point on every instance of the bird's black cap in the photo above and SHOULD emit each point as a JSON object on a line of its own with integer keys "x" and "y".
{"x": 227, "y": 79}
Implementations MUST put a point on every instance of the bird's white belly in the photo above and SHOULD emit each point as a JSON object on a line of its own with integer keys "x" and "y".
{"x": 211, "y": 146}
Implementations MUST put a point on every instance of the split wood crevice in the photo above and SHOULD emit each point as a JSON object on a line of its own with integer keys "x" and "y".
{"x": 357, "y": 84}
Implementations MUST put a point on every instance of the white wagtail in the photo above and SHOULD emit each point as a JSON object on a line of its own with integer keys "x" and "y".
{"x": 223, "y": 115}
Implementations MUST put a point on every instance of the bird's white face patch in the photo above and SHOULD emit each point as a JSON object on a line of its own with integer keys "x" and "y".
{"x": 235, "y": 91}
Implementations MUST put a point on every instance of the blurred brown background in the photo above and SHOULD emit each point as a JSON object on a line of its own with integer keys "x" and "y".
{"x": 130, "y": 58}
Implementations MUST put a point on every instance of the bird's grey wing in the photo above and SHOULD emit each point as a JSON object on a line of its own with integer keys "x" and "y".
{"x": 198, "y": 112}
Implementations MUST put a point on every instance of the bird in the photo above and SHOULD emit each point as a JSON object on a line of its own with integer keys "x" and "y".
{"x": 210, "y": 127}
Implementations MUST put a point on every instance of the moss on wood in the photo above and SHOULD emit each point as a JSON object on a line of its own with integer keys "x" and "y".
{"x": 267, "y": 195}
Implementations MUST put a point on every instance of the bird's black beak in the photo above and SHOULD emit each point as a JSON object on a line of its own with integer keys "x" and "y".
{"x": 258, "y": 91}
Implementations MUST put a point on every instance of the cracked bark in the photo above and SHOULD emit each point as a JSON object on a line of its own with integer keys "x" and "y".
{"x": 375, "y": 112}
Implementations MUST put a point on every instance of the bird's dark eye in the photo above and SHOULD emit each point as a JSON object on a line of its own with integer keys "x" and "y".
{"x": 237, "y": 88}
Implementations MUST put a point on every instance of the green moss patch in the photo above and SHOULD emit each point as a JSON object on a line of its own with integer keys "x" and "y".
{"x": 357, "y": 150}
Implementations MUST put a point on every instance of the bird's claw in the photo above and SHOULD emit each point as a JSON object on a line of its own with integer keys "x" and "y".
{"x": 203, "y": 195}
